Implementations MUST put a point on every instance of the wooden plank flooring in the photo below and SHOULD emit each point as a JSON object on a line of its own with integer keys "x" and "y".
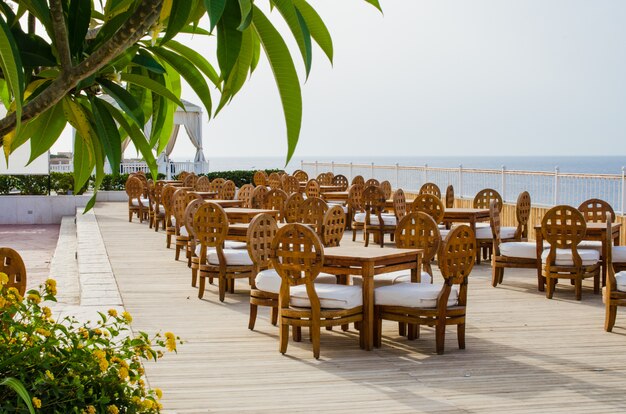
{"x": 524, "y": 353}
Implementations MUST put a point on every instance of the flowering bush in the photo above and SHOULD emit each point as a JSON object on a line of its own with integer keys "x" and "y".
{"x": 68, "y": 367}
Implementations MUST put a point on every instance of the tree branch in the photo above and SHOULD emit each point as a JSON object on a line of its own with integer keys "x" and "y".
{"x": 128, "y": 34}
{"x": 61, "y": 40}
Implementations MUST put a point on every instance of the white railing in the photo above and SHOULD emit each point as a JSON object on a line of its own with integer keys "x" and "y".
{"x": 546, "y": 188}
{"x": 61, "y": 168}
{"x": 135, "y": 166}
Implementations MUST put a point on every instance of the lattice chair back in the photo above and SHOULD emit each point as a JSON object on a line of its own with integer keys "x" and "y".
{"x": 190, "y": 181}
{"x": 261, "y": 232}
{"x": 312, "y": 211}
{"x": 166, "y": 201}
{"x": 399, "y": 204}
{"x": 358, "y": 180}
{"x": 312, "y": 189}
{"x": 456, "y": 259}
{"x": 431, "y": 188}
{"x": 522, "y": 213}
{"x": 275, "y": 181}
{"x": 257, "y": 198}
{"x": 342, "y": 181}
{"x": 494, "y": 221}
{"x": 179, "y": 204}
{"x": 227, "y": 190}
{"x": 275, "y": 200}
{"x": 429, "y": 204}
{"x": 324, "y": 179}
{"x": 190, "y": 212}
{"x": 450, "y": 196}
{"x": 290, "y": 184}
{"x": 297, "y": 256}
{"x": 372, "y": 181}
{"x": 211, "y": 226}
{"x": 301, "y": 176}
{"x": 203, "y": 184}
{"x": 292, "y": 206}
{"x": 355, "y": 197}
{"x": 418, "y": 230}
{"x": 216, "y": 184}
{"x": 244, "y": 194}
{"x": 182, "y": 175}
{"x": 595, "y": 210}
{"x": 334, "y": 226}
{"x": 386, "y": 187}
{"x": 134, "y": 189}
{"x": 373, "y": 203}
{"x": 564, "y": 227}
{"x": 12, "y": 265}
{"x": 483, "y": 198}
{"x": 260, "y": 178}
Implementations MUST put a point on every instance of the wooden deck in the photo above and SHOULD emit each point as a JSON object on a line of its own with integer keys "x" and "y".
{"x": 524, "y": 353}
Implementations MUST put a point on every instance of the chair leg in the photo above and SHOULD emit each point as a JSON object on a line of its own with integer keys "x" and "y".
{"x": 440, "y": 335}
{"x": 460, "y": 334}
{"x": 296, "y": 332}
{"x": 401, "y": 328}
{"x": 495, "y": 277}
{"x": 578, "y": 286}
{"x": 130, "y": 216}
{"x": 284, "y": 337}
{"x": 274, "y": 315}
{"x": 549, "y": 287}
{"x": 168, "y": 240}
{"x": 194, "y": 277}
{"x": 501, "y": 275}
{"x": 201, "y": 287}
{"x": 221, "y": 282}
{"x": 609, "y": 321}
{"x": 315, "y": 339}
{"x": 413, "y": 331}
{"x": 366, "y": 236}
{"x": 596, "y": 283}
{"x": 378, "y": 330}
{"x": 354, "y": 233}
{"x": 477, "y": 256}
{"x": 252, "y": 320}
{"x": 177, "y": 254}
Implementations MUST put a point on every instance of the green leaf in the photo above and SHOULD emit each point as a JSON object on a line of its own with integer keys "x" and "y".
{"x": 317, "y": 28}
{"x": 228, "y": 38}
{"x": 285, "y": 75}
{"x": 215, "y": 9}
{"x": 240, "y": 71}
{"x": 179, "y": 15}
{"x": 197, "y": 59}
{"x": 108, "y": 133}
{"x": 194, "y": 30}
{"x": 20, "y": 390}
{"x": 298, "y": 28}
{"x": 154, "y": 86}
{"x": 99, "y": 174}
{"x": 256, "y": 53}
{"x": 145, "y": 60}
{"x": 84, "y": 157}
{"x": 43, "y": 131}
{"x": 245, "y": 6}
{"x": 375, "y": 3}
{"x": 189, "y": 72}
{"x": 125, "y": 100}
{"x": 11, "y": 65}
{"x": 78, "y": 17}
{"x": 39, "y": 8}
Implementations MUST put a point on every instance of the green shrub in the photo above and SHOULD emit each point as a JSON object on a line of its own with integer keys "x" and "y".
{"x": 7, "y": 184}
{"x": 32, "y": 184}
{"x": 240, "y": 177}
{"x": 67, "y": 367}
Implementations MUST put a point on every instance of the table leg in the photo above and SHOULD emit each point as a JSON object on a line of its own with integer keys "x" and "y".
{"x": 540, "y": 279}
{"x": 603, "y": 267}
{"x": 367, "y": 327}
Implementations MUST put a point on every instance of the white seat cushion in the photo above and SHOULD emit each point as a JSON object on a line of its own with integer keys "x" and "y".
{"x": 564, "y": 257}
{"x": 331, "y": 296}
{"x": 413, "y": 295}
{"x": 345, "y": 209}
{"x": 485, "y": 232}
{"x": 525, "y": 250}
{"x": 269, "y": 280}
{"x": 144, "y": 202}
{"x": 208, "y": 250}
{"x": 184, "y": 232}
{"x": 444, "y": 233}
{"x": 621, "y": 281}
{"x": 388, "y": 219}
{"x": 230, "y": 244}
{"x": 387, "y": 279}
{"x": 326, "y": 278}
{"x": 591, "y": 244}
{"x": 234, "y": 257}
{"x": 619, "y": 254}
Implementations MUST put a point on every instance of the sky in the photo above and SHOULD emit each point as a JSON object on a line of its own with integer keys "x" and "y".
{"x": 438, "y": 78}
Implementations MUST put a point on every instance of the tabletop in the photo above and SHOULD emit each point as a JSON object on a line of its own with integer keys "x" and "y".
{"x": 368, "y": 254}
{"x": 593, "y": 227}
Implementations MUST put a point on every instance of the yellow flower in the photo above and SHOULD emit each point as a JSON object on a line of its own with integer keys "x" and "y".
{"x": 113, "y": 313}
{"x": 123, "y": 373}
{"x": 104, "y": 364}
{"x": 36, "y": 402}
{"x": 147, "y": 404}
{"x": 2, "y": 302}
{"x": 97, "y": 331}
{"x": 34, "y": 297}
{"x": 84, "y": 332}
{"x": 91, "y": 409}
{"x": 127, "y": 317}
{"x": 49, "y": 375}
{"x": 170, "y": 343}
{"x": 47, "y": 312}
{"x": 42, "y": 332}
{"x": 14, "y": 295}
{"x": 112, "y": 409}
{"x": 4, "y": 278}
{"x": 51, "y": 287}
{"x": 158, "y": 393}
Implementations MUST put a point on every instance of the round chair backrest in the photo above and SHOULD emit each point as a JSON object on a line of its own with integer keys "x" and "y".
{"x": 210, "y": 224}
{"x": 386, "y": 187}
{"x": 358, "y": 180}
{"x": 301, "y": 176}
{"x": 227, "y": 190}
{"x": 494, "y": 220}
{"x": 260, "y": 178}
{"x": 166, "y": 198}
{"x": 312, "y": 211}
{"x": 275, "y": 181}
{"x": 257, "y": 198}
{"x": 182, "y": 175}
{"x": 290, "y": 184}
{"x": 429, "y": 204}
{"x": 484, "y": 197}
{"x": 158, "y": 191}
{"x": 192, "y": 196}
{"x": 522, "y": 213}
{"x": 261, "y": 232}
{"x": 418, "y": 230}
{"x": 450, "y": 196}
{"x": 373, "y": 199}
{"x": 372, "y": 181}
{"x": 275, "y": 200}
{"x": 217, "y": 184}
{"x": 292, "y": 205}
{"x": 179, "y": 204}
{"x": 203, "y": 184}
{"x": 334, "y": 226}
{"x": 431, "y": 188}
{"x": 595, "y": 210}
{"x": 563, "y": 227}
{"x": 190, "y": 213}
{"x": 355, "y": 197}
{"x": 298, "y": 256}
{"x": 342, "y": 181}
{"x": 190, "y": 181}
{"x": 399, "y": 203}
{"x": 244, "y": 194}
{"x": 12, "y": 265}
{"x": 324, "y": 179}
{"x": 144, "y": 183}
{"x": 457, "y": 254}
{"x": 312, "y": 189}
{"x": 134, "y": 188}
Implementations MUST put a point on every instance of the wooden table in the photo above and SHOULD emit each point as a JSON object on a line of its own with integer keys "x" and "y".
{"x": 239, "y": 231}
{"x": 335, "y": 196}
{"x": 466, "y": 215}
{"x": 323, "y": 188}
{"x": 226, "y": 204}
{"x": 205, "y": 194}
{"x": 595, "y": 232}
{"x": 389, "y": 204}
{"x": 245, "y": 215}
{"x": 369, "y": 262}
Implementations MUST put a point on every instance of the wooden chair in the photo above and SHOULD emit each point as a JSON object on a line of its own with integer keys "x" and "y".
{"x": 375, "y": 222}
{"x": 312, "y": 189}
{"x": 564, "y": 227}
{"x": 203, "y": 184}
{"x": 341, "y": 180}
{"x": 483, "y": 236}
{"x": 325, "y": 179}
{"x": 257, "y": 197}
{"x": 483, "y": 198}
{"x": 170, "y": 225}
{"x": 418, "y": 230}
{"x": 227, "y": 190}
{"x": 355, "y": 205}
{"x": 244, "y": 194}
{"x": 216, "y": 185}
{"x": 399, "y": 204}
{"x": 298, "y": 256}
{"x": 450, "y": 196}
{"x": 312, "y": 211}
{"x": 614, "y": 293}
{"x": 432, "y": 304}
{"x": 301, "y": 176}
{"x": 522, "y": 213}
{"x": 429, "y": 204}
{"x": 179, "y": 204}
{"x": 595, "y": 210}
{"x": 182, "y": 175}
{"x": 211, "y": 226}
{"x": 190, "y": 181}
{"x": 260, "y": 178}
{"x": 12, "y": 265}
{"x": 333, "y": 227}
{"x": 158, "y": 216}
{"x": 290, "y": 184}
{"x": 193, "y": 259}
{"x": 430, "y": 188}
{"x": 274, "y": 181}
{"x": 275, "y": 200}
{"x": 510, "y": 254}
{"x": 134, "y": 190}
{"x": 372, "y": 181}
{"x": 358, "y": 180}
{"x": 292, "y": 205}
{"x": 386, "y": 187}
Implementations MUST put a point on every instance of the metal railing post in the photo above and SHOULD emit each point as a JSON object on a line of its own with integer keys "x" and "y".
{"x": 623, "y": 192}
{"x": 351, "y": 171}
{"x": 503, "y": 180}
{"x": 397, "y": 175}
{"x": 372, "y": 173}
{"x": 425, "y": 173}
{"x": 332, "y": 167}
{"x": 556, "y": 185}
{"x": 302, "y": 165}
{"x": 316, "y": 172}
{"x": 460, "y": 180}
